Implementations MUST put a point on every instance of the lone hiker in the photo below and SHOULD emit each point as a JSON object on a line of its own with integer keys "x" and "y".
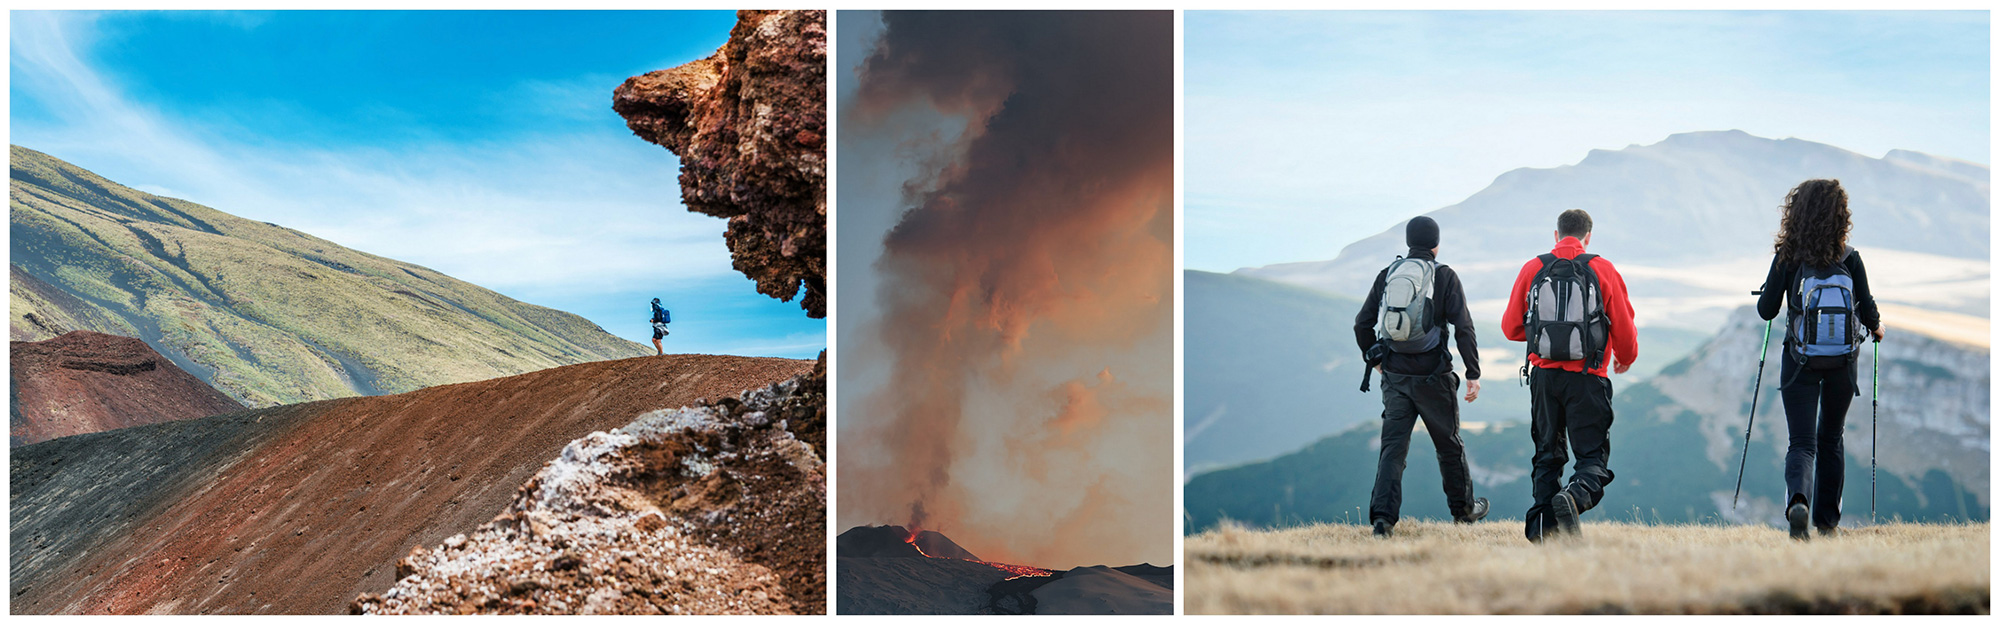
{"x": 1571, "y": 309}
{"x": 1401, "y": 333}
{"x": 1824, "y": 288}
{"x": 660, "y": 320}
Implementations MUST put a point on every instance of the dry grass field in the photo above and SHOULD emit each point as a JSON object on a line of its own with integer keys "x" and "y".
{"x": 1433, "y": 567}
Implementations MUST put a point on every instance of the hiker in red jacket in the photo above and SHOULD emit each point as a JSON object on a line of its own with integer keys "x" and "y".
{"x": 1570, "y": 307}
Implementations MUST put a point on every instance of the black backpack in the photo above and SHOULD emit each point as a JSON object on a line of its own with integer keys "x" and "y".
{"x": 1566, "y": 320}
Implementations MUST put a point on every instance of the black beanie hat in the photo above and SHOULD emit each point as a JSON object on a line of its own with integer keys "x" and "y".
{"x": 1421, "y": 234}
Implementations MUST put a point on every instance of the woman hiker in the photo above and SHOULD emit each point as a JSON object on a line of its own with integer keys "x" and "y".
{"x": 1824, "y": 289}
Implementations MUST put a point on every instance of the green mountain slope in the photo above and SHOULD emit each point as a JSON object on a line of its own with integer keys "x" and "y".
{"x": 1675, "y": 446}
{"x": 266, "y": 314}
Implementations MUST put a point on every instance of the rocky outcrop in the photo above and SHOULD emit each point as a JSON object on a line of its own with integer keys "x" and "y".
{"x": 1934, "y": 415}
{"x": 83, "y": 382}
{"x": 300, "y": 508}
{"x": 749, "y": 125}
{"x": 712, "y": 509}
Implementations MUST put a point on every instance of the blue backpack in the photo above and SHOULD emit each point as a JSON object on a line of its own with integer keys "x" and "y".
{"x": 660, "y": 315}
{"x": 1822, "y": 331}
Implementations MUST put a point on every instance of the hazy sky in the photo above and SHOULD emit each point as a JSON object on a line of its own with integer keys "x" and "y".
{"x": 479, "y": 144}
{"x": 1307, "y": 131}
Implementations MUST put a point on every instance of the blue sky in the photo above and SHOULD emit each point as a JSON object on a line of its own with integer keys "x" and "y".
{"x": 1307, "y": 131}
{"x": 479, "y": 144}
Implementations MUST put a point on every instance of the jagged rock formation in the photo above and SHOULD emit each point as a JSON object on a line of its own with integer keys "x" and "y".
{"x": 713, "y": 509}
{"x": 749, "y": 125}
{"x": 83, "y": 382}
{"x": 263, "y": 313}
{"x": 300, "y": 508}
{"x": 1936, "y": 397}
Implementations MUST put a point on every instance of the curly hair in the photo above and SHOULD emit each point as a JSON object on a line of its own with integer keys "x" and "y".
{"x": 1814, "y": 230}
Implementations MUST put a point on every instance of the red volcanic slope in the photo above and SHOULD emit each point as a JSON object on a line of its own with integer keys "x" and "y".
{"x": 298, "y": 509}
{"x": 84, "y": 382}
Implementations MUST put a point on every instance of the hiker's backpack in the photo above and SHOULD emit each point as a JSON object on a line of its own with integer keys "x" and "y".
{"x": 1405, "y": 320}
{"x": 661, "y": 315}
{"x": 1822, "y": 331}
{"x": 1566, "y": 319}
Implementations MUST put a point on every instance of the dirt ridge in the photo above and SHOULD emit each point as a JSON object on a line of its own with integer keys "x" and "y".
{"x": 83, "y": 382}
{"x": 298, "y": 509}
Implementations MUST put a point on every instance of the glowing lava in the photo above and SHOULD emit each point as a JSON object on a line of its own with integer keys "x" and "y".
{"x": 1018, "y": 571}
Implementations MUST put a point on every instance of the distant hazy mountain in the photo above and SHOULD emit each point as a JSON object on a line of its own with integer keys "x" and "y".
{"x": 1675, "y": 446}
{"x": 266, "y": 314}
{"x": 1271, "y": 366}
{"x": 1690, "y": 222}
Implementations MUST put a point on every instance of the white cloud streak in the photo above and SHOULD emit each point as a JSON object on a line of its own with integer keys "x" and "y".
{"x": 545, "y": 213}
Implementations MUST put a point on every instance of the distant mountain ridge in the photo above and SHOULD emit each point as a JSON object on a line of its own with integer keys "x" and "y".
{"x": 1271, "y": 366}
{"x": 1693, "y": 217}
{"x": 1674, "y": 447}
{"x": 266, "y": 314}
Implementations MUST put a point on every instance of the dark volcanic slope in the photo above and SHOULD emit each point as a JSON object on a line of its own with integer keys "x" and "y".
{"x": 84, "y": 382}
{"x": 914, "y": 586}
{"x": 298, "y": 509}
{"x": 893, "y": 541}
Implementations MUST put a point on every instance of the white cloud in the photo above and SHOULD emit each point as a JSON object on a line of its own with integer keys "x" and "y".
{"x": 547, "y": 214}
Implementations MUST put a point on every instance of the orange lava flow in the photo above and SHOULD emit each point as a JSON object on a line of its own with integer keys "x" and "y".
{"x": 1018, "y": 570}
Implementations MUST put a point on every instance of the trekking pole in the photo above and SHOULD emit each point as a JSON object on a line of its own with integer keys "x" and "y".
{"x": 1758, "y": 386}
{"x": 1874, "y": 415}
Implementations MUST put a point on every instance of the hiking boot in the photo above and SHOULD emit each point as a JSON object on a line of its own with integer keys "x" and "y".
{"x": 1384, "y": 529}
{"x": 1797, "y": 515}
{"x": 1479, "y": 508}
{"x": 1827, "y": 532}
{"x": 1564, "y": 507}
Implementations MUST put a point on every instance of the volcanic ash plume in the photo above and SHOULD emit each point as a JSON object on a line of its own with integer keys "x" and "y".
{"x": 1027, "y": 291}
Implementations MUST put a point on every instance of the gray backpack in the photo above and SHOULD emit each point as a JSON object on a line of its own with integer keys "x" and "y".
{"x": 1566, "y": 319}
{"x": 1404, "y": 321}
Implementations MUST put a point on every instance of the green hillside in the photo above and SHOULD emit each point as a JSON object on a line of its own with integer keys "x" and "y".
{"x": 266, "y": 314}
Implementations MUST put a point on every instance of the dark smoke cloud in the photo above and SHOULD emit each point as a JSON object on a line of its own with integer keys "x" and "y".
{"x": 1044, "y": 246}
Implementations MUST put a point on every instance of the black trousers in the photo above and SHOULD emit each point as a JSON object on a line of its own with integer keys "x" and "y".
{"x": 1406, "y": 398}
{"x": 1571, "y": 411}
{"x": 1816, "y": 405}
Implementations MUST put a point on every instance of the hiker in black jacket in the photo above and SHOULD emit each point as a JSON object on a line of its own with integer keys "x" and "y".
{"x": 1824, "y": 288}
{"x": 659, "y": 320}
{"x": 1417, "y": 376}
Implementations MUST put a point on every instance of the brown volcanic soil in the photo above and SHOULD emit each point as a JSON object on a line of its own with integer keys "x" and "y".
{"x": 84, "y": 382}
{"x": 714, "y": 509}
{"x": 298, "y": 509}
